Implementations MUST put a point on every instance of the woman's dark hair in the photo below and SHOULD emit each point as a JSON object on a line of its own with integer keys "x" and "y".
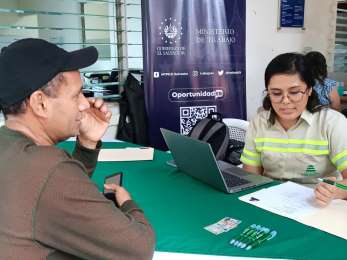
{"x": 290, "y": 64}
{"x": 316, "y": 61}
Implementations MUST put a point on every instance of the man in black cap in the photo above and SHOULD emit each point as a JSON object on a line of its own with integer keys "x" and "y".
{"x": 49, "y": 208}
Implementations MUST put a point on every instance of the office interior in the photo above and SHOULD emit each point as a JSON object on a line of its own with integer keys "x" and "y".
{"x": 114, "y": 27}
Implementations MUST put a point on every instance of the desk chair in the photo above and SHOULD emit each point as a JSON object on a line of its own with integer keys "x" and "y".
{"x": 237, "y": 134}
{"x": 237, "y": 128}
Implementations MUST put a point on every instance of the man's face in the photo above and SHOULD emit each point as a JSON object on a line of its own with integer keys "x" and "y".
{"x": 66, "y": 107}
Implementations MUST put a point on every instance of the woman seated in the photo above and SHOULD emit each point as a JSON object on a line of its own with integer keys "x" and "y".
{"x": 326, "y": 88}
{"x": 294, "y": 137}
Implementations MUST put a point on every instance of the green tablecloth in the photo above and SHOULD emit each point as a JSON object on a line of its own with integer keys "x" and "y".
{"x": 179, "y": 206}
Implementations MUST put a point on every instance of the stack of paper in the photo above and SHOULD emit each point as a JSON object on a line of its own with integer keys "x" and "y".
{"x": 297, "y": 202}
{"x": 126, "y": 154}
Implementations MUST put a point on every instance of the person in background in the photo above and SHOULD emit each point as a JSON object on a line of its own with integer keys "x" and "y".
{"x": 49, "y": 207}
{"x": 326, "y": 88}
{"x": 293, "y": 137}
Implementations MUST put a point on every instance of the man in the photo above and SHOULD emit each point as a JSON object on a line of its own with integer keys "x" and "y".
{"x": 49, "y": 208}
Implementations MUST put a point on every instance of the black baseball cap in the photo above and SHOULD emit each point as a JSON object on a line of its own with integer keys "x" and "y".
{"x": 28, "y": 64}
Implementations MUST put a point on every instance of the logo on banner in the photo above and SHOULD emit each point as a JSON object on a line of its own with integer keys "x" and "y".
{"x": 156, "y": 74}
{"x": 220, "y": 72}
{"x": 171, "y": 33}
{"x": 188, "y": 94}
{"x": 170, "y": 30}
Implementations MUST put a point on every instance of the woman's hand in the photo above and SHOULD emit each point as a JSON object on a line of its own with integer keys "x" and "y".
{"x": 325, "y": 192}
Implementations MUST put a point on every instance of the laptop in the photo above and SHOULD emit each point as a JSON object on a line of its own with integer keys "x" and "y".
{"x": 196, "y": 158}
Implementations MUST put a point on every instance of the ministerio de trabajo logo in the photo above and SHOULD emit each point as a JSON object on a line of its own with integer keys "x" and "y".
{"x": 170, "y": 30}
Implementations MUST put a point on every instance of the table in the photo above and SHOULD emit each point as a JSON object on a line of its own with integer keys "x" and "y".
{"x": 179, "y": 206}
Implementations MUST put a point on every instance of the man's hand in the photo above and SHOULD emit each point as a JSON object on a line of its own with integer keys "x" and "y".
{"x": 94, "y": 123}
{"x": 121, "y": 194}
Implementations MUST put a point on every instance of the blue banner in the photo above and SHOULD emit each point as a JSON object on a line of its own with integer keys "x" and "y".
{"x": 194, "y": 62}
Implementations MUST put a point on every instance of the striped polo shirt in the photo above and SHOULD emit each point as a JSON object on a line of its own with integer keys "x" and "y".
{"x": 314, "y": 147}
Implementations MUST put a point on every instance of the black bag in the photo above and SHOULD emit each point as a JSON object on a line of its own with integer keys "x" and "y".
{"x": 213, "y": 131}
{"x": 234, "y": 151}
{"x": 133, "y": 123}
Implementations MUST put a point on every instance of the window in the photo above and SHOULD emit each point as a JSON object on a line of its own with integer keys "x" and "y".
{"x": 340, "y": 57}
{"x": 113, "y": 27}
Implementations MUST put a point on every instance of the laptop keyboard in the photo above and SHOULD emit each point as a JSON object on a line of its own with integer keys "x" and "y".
{"x": 232, "y": 180}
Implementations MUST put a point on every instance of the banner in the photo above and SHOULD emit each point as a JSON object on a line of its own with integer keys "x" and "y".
{"x": 194, "y": 62}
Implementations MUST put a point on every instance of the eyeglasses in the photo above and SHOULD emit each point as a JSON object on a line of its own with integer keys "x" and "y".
{"x": 294, "y": 96}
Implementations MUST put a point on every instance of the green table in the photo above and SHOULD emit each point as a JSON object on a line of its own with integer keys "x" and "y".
{"x": 179, "y": 206}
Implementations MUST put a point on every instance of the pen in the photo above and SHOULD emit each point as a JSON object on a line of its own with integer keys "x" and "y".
{"x": 264, "y": 233}
{"x": 248, "y": 230}
{"x": 338, "y": 185}
{"x": 252, "y": 237}
{"x": 267, "y": 237}
{"x": 235, "y": 239}
{"x": 247, "y": 237}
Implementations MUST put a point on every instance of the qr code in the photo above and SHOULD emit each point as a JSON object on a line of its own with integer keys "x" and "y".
{"x": 190, "y": 115}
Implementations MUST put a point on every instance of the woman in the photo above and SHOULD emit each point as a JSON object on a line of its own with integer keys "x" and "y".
{"x": 294, "y": 138}
{"x": 326, "y": 88}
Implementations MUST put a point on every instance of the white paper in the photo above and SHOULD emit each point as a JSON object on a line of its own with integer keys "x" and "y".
{"x": 297, "y": 202}
{"x": 126, "y": 154}
{"x": 288, "y": 199}
{"x": 331, "y": 219}
{"x": 108, "y": 140}
{"x": 183, "y": 256}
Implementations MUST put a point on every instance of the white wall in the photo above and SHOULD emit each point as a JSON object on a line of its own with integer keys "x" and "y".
{"x": 264, "y": 41}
